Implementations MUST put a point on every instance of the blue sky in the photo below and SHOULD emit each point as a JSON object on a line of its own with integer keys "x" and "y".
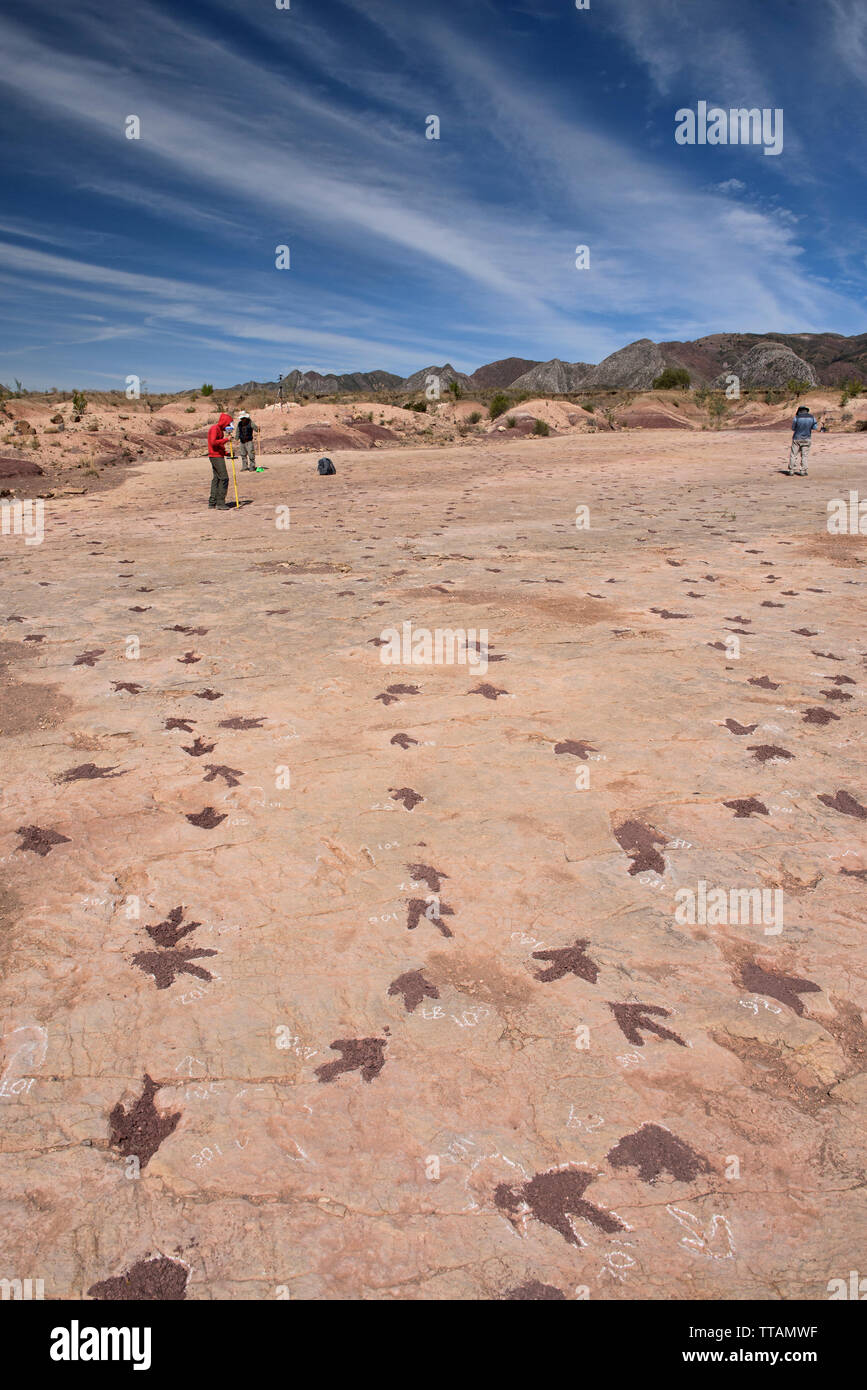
{"x": 306, "y": 127}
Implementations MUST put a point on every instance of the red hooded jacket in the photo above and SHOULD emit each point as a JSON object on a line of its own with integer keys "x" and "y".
{"x": 217, "y": 439}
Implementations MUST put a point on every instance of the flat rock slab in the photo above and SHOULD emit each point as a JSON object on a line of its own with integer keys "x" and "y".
{"x": 540, "y": 967}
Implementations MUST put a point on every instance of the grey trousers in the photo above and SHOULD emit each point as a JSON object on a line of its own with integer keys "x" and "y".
{"x": 219, "y": 481}
{"x": 247, "y": 453}
{"x": 799, "y": 455}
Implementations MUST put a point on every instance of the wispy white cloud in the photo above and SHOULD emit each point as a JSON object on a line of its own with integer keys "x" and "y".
{"x": 320, "y": 144}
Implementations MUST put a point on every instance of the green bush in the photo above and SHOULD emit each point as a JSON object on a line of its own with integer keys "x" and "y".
{"x": 672, "y": 378}
{"x": 851, "y": 388}
{"x": 474, "y": 418}
{"x": 541, "y": 427}
{"x": 499, "y": 405}
{"x": 589, "y": 406}
{"x": 79, "y": 404}
{"x": 796, "y": 386}
{"x": 455, "y": 388}
{"x": 511, "y": 422}
{"x": 207, "y": 389}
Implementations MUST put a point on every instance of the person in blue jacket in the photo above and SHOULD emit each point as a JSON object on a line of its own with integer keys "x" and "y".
{"x": 802, "y": 436}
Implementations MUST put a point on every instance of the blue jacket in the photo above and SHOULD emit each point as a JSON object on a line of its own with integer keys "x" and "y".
{"x": 803, "y": 426}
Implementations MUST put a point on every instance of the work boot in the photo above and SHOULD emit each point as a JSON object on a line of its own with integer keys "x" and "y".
{"x": 222, "y": 507}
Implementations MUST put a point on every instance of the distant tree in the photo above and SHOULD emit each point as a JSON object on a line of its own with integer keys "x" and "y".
{"x": 455, "y": 388}
{"x": 499, "y": 405}
{"x": 671, "y": 379}
{"x": 851, "y": 388}
{"x": 796, "y": 386}
{"x": 207, "y": 389}
{"x": 79, "y": 404}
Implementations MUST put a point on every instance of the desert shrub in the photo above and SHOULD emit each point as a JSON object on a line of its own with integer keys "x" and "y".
{"x": 474, "y": 418}
{"x": 188, "y": 410}
{"x": 79, "y": 404}
{"x": 499, "y": 405}
{"x": 511, "y": 422}
{"x": 207, "y": 389}
{"x": 455, "y": 388}
{"x": 420, "y": 406}
{"x": 672, "y": 378}
{"x": 861, "y": 424}
{"x": 541, "y": 427}
{"x": 851, "y": 388}
{"x": 796, "y": 386}
{"x": 589, "y": 406}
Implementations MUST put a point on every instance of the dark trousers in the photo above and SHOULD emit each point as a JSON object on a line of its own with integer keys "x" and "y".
{"x": 219, "y": 481}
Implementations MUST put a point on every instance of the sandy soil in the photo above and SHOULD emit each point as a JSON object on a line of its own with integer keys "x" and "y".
{"x": 325, "y": 978}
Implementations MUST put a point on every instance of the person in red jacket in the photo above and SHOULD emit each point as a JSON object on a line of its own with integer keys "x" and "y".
{"x": 217, "y": 441}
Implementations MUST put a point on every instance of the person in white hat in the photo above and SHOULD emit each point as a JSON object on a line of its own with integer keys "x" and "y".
{"x": 244, "y": 434}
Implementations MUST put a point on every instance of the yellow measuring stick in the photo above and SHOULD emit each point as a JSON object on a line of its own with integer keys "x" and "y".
{"x": 234, "y": 478}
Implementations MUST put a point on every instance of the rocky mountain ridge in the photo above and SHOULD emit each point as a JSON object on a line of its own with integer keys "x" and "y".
{"x": 760, "y": 360}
